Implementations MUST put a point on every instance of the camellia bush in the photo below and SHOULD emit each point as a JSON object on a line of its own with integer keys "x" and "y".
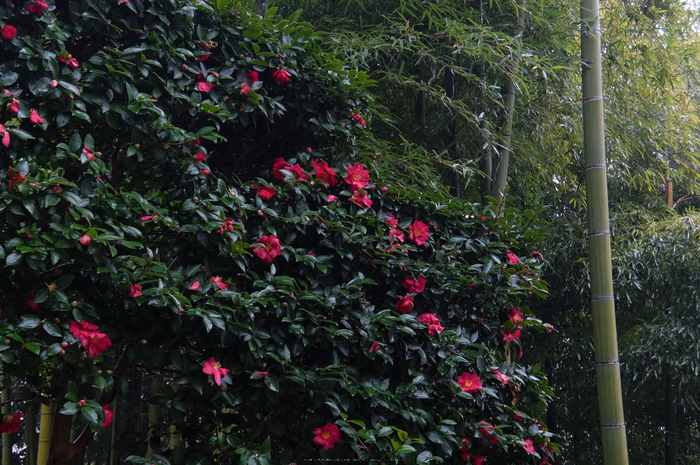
{"x": 183, "y": 202}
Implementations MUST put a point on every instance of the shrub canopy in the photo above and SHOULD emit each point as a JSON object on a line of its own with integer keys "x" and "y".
{"x": 183, "y": 200}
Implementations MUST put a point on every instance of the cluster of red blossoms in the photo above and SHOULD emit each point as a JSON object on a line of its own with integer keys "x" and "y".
{"x": 93, "y": 341}
{"x": 512, "y": 334}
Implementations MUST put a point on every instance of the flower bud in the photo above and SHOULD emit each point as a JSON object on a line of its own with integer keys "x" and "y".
{"x": 81, "y": 403}
{"x": 74, "y": 304}
{"x": 64, "y": 344}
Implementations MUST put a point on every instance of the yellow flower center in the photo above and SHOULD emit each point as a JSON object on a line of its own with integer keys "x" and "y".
{"x": 217, "y": 365}
{"x": 325, "y": 435}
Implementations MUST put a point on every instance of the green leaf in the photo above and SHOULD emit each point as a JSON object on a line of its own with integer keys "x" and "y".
{"x": 29, "y": 321}
{"x": 52, "y": 329}
{"x": 8, "y": 79}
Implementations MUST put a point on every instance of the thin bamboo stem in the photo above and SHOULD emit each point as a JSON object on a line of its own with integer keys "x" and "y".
{"x": 612, "y": 420}
{"x": 501, "y": 158}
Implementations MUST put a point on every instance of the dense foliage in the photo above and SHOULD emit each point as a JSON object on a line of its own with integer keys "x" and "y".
{"x": 182, "y": 196}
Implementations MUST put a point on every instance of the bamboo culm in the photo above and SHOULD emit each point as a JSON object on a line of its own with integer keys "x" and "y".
{"x": 612, "y": 421}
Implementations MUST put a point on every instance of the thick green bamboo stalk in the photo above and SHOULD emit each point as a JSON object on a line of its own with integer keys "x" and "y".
{"x": 6, "y": 443}
{"x": 612, "y": 419}
{"x": 45, "y": 426}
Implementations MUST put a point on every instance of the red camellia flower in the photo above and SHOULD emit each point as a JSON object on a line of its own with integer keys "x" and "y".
{"x": 397, "y": 234}
{"x": 5, "y": 135}
{"x": 194, "y": 286}
{"x": 93, "y": 341}
{"x": 72, "y": 63}
{"x": 486, "y": 429}
{"x": 212, "y": 367}
{"x": 405, "y": 304}
{"x": 204, "y": 86}
{"x": 512, "y": 258}
{"x": 529, "y": 447}
{"x": 14, "y": 106}
{"x": 252, "y": 77}
{"x": 361, "y": 199}
{"x": 374, "y": 348}
{"x": 357, "y": 177}
{"x": 469, "y": 382}
{"x": 9, "y": 32}
{"x": 88, "y": 153}
{"x": 331, "y": 198}
{"x": 270, "y": 250}
{"x": 11, "y": 423}
{"x": 96, "y": 343}
{"x": 38, "y": 7}
{"x": 327, "y": 436}
{"x": 199, "y": 157}
{"x": 479, "y": 460}
{"x": 32, "y": 306}
{"x": 15, "y": 178}
{"x": 393, "y": 222}
{"x": 549, "y": 328}
{"x": 135, "y": 290}
{"x": 265, "y": 192}
{"x": 280, "y": 164}
{"x": 359, "y": 119}
{"x": 204, "y": 57}
{"x": 298, "y": 172}
{"x": 245, "y": 89}
{"x": 324, "y": 172}
{"x": 516, "y": 315}
{"x": 415, "y": 286}
{"x": 280, "y": 75}
{"x": 501, "y": 376}
{"x": 419, "y": 232}
{"x": 218, "y": 282}
{"x": 432, "y": 322}
{"x": 85, "y": 239}
{"x": 511, "y": 335}
{"x": 109, "y": 415}
{"x": 35, "y": 118}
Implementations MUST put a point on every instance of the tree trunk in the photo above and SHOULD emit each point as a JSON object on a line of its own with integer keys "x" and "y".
{"x": 671, "y": 430}
{"x": 612, "y": 419}
{"x": 502, "y": 155}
